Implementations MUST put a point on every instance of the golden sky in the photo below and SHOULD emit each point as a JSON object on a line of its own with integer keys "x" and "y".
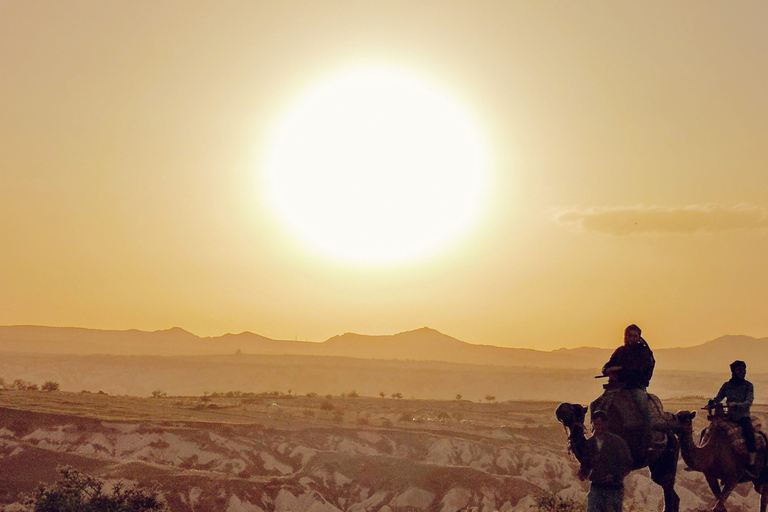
{"x": 628, "y": 168}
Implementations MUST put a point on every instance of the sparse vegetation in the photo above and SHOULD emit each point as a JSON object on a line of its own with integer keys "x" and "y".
{"x": 550, "y": 502}
{"x": 397, "y": 395}
{"x": 490, "y": 398}
{"x": 159, "y": 394}
{"x": 22, "y": 385}
{"x": 50, "y": 385}
{"x": 77, "y": 492}
{"x": 458, "y": 397}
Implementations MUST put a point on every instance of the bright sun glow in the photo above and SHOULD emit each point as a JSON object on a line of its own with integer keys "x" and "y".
{"x": 377, "y": 166}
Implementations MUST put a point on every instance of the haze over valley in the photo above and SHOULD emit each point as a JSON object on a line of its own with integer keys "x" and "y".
{"x": 421, "y": 364}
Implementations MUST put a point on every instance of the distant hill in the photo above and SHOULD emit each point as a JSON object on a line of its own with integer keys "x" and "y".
{"x": 423, "y": 344}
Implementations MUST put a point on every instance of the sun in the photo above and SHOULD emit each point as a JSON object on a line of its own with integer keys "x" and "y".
{"x": 377, "y": 166}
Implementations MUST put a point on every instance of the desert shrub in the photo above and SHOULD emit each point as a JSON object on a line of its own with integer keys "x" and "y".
{"x": 50, "y": 385}
{"x": 77, "y": 492}
{"x": 159, "y": 394}
{"x": 352, "y": 394}
{"x": 23, "y": 385}
{"x": 326, "y": 406}
{"x": 397, "y": 395}
{"x": 312, "y": 395}
{"x": 550, "y": 502}
{"x": 406, "y": 416}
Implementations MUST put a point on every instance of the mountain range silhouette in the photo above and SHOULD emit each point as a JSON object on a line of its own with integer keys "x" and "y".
{"x": 423, "y": 344}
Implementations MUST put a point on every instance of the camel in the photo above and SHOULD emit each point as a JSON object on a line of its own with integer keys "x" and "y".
{"x": 718, "y": 459}
{"x": 661, "y": 459}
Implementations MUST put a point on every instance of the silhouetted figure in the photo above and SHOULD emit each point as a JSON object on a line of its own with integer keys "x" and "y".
{"x": 739, "y": 395}
{"x": 607, "y": 461}
{"x": 631, "y": 366}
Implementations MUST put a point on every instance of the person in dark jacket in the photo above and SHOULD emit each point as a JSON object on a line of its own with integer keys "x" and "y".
{"x": 631, "y": 366}
{"x": 739, "y": 394}
{"x": 606, "y": 463}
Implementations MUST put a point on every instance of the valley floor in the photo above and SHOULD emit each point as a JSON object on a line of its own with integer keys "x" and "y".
{"x": 281, "y": 452}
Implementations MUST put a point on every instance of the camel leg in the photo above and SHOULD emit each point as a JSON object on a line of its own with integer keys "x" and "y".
{"x": 714, "y": 485}
{"x": 671, "y": 499}
{"x": 764, "y": 498}
{"x": 663, "y": 472}
{"x": 728, "y": 487}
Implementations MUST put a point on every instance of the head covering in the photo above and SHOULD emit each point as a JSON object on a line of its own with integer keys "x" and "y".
{"x": 738, "y": 364}
{"x": 632, "y": 327}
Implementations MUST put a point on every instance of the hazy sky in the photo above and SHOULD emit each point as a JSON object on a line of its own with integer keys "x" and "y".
{"x": 628, "y": 168}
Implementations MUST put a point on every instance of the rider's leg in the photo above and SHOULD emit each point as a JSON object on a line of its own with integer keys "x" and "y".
{"x": 749, "y": 437}
{"x": 640, "y": 396}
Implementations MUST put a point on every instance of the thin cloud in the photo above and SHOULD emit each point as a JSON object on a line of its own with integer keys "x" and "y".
{"x": 651, "y": 219}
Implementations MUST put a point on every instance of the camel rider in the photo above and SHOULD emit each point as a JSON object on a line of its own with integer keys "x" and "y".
{"x": 739, "y": 394}
{"x": 631, "y": 365}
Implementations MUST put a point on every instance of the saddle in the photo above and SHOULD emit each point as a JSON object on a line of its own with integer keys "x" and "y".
{"x": 734, "y": 433}
{"x": 625, "y": 413}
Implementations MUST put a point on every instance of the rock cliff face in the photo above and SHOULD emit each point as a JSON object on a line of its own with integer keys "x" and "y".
{"x": 317, "y": 466}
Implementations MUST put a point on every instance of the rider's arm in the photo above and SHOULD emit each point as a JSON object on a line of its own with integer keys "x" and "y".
{"x": 721, "y": 394}
{"x": 750, "y": 395}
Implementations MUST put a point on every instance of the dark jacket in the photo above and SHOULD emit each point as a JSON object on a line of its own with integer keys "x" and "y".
{"x": 636, "y": 362}
{"x": 607, "y": 459}
{"x": 739, "y": 395}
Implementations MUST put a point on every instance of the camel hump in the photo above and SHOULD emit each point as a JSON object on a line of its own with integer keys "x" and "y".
{"x": 624, "y": 412}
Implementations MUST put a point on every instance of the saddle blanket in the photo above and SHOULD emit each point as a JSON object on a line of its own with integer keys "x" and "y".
{"x": 735, "y": 434}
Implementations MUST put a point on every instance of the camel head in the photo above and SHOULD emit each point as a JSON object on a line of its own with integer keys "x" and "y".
{"x": 570, "y": 414}
{"x": 685, "y": 419}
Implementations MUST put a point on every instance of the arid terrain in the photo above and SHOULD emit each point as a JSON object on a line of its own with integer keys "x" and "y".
{"x": 285, "y": 452}
{"x": 409, "y": 422}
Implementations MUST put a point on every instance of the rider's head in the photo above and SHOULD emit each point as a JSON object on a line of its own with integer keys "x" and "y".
{"x": 599, "y": 421}
{"x": 632, "y": 335}
{"x": 739, "y": 368}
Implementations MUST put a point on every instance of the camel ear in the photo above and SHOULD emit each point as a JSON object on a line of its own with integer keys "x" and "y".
{"x": 693, "y": 414}
{"x": 584, "y": 409}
